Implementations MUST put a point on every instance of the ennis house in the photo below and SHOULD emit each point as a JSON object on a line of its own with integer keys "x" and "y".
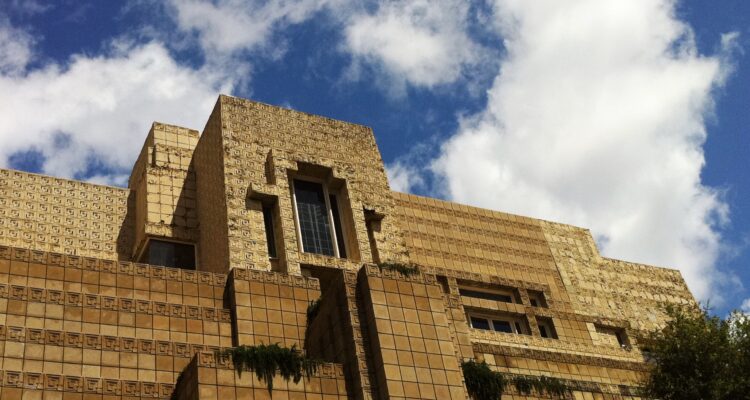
{"x": 224, "y": 239}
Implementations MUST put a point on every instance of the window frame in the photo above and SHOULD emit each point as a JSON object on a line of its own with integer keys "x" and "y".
{"x": 269, "y": 216}
{"x": 510, "y": 292}
{"x": 549, "y": 325}
{"x": 515, "y": 322}
{"x": 537, "y": 296}
{"x": 149, "y": 239}
{"x": 329, "y": 214}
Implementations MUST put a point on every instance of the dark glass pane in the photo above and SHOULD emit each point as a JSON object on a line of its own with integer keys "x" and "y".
{"x": 270, "y": 237}
{"x": 170, "y": 254}
{"x": 337, "y": 226}
{"x": 480, "y": 323}
{"x": 543, "y": 331}
{"x": 314, "y": 226}
{"x": 621, "y": 338}
{"x": 485, "y": 295}
{"x": 537, "y": 298}
{"x": 502, "y": 326}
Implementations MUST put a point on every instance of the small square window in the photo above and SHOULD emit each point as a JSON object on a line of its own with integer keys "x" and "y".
{"x": 537, "y": 299}
{"x": 546, "y": 327}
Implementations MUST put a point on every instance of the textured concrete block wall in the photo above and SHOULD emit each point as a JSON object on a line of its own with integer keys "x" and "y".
{"x": 270, "y": 307}
{"x": 414, "y": 356}
{"x": 252, "y": 131}
{"x": 50, "y": 214}
{"x": 164, "y": 186}
{"x": 209, "y": 377}
{"x": 74, "y": 326}
{"x": 208, "y": 161}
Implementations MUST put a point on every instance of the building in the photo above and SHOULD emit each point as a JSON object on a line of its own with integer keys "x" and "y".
{"x": 226, "y": 238}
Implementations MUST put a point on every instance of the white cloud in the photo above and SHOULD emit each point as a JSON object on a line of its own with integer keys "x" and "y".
{"x": 15, "y": 48}
{"x": 97, "y": 110}
{"x": 402, "y": 177}
{"x": 228, "y": 26}
{"x": 596, "y": 118}
{"x": 424, "y": 43}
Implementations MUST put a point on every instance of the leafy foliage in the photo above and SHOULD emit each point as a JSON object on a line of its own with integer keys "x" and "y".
{"x": 699, "y": 357}
{"x": 404, "y": 269}
{"x": 268, "y": 360}
{"x": 482, "y": 383}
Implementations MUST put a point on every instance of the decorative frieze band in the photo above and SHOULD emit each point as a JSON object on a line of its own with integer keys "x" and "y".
{"x": 113, "y": 267}
{"x": 124, "y": 304}
{"x": 275, "y": 277}
{"x": 78, "y": 384}
{"x": 216, "y": 359}
{"x": 102, "y": 342}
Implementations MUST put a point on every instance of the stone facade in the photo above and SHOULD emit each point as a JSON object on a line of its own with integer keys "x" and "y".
{"x": 85, "y": 312}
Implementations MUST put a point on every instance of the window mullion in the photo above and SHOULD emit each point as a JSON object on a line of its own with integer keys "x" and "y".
{"x": 331, "y": 227}
{"x": 296, "y": 218}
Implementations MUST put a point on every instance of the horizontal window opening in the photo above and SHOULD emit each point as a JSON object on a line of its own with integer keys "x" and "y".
{"x": 169, "y": 254}
{"x": 499, "y": 323}
{"x": 505, "y": 297}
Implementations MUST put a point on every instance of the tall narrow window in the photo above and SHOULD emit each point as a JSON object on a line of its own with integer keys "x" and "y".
{"x": 270, "y": 234}
{"x": 337, "y": 225}
{"x": 314, "y": 223}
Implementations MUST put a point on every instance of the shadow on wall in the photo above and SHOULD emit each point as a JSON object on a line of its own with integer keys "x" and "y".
{"x": 127, "y": 231}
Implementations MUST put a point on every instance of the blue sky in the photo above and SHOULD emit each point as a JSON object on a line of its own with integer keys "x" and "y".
{"x": 626, "y": 117}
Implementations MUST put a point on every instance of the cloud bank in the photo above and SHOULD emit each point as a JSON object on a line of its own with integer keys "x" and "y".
{"x": 597, "y": 118}
{"x": 93, "y": 112}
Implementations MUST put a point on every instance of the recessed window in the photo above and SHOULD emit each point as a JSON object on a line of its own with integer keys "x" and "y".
{"x": 169, "y": 254}
{"x": 480, "y": 323}
{"x": 546, "y": 327}
{"x": 320, "y": 225}
{"x": 332, "y": 200}
{"x": 504, "y": 295}
{"x": 536, "y": 298}
{"x": 612, "y": 336}
{"x": 270, "y": 232}
{"x": 499, "y": 323}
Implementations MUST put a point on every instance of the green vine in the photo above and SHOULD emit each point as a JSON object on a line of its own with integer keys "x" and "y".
{"x": 482, "y": 383}
{"x": 268, "y": 360}
{"x": 404, "y": 269}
